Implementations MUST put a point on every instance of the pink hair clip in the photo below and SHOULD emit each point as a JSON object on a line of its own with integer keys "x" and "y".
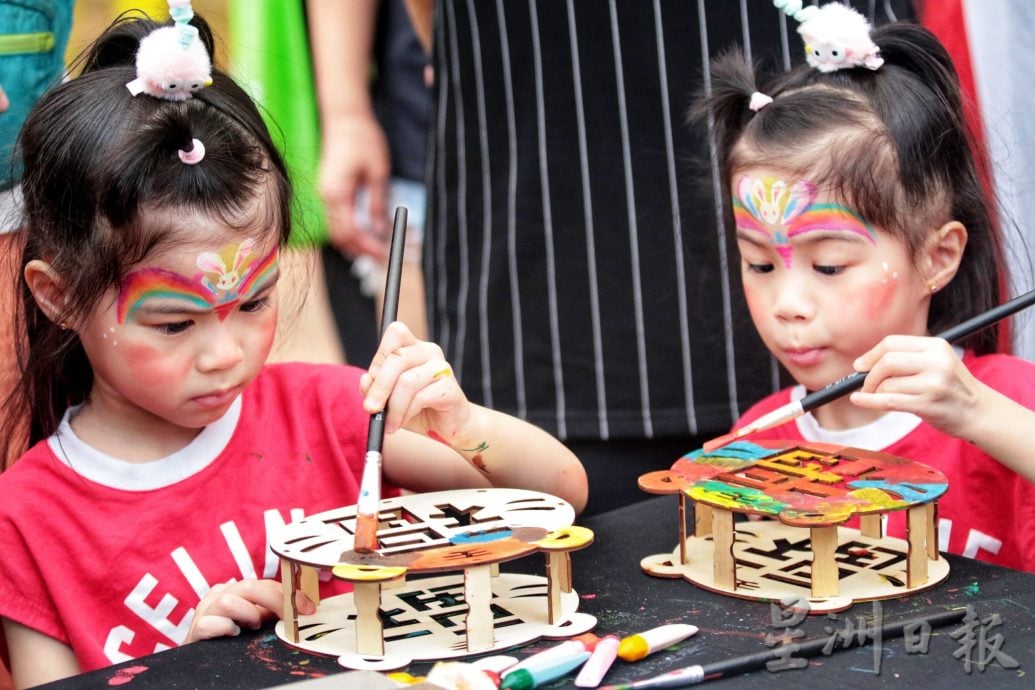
{"x": 835, "y": 35}
{"x": 759, "y": 100}
{"x": 172, "y": 61}
{"x": 195, "y": 155}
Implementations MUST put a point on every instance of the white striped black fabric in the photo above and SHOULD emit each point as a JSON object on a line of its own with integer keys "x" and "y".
{"x": 578, "y": 274}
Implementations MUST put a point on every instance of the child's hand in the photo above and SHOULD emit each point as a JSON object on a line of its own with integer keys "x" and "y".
{"x": 413, "y": 378}
{"x": 924, "y": 376}
{"x": 230, "y": 605}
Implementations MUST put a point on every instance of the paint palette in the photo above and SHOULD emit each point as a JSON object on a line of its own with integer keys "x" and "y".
{"x": 433, "y": 590}
{"x": 804, "y": 549}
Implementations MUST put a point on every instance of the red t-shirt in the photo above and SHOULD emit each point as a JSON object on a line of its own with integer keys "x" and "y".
{"x": 112, "y": 557}
{"x": 988, "y": 512}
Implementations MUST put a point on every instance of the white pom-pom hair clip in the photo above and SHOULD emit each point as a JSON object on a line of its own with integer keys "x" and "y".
{"x": 172, "y": 61}
{"x": 835, "y": 35}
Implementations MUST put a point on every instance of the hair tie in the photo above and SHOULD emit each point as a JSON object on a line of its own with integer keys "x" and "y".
{"x": 172, "y": 61}
{"x": 835, "y": 35}
{"x": 759, "y": 100}
{"x": 195, "y": 155}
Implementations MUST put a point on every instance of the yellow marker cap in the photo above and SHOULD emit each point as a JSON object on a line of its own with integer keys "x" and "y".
{"x": 633, "y": 648}
{"x": 636, "y": 647}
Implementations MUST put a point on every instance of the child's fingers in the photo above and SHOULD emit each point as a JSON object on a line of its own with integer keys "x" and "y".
{"x": 396, "y": 336}
{"x": 893, "y": 372}
{"x": 210, "y": 627}
{"x": 438, "y": 390}
{"x": 385, "y": 380}
{"x": 891, "y": 343}
{"x": 408, "y": 366}
{"x": 230, "y": 606}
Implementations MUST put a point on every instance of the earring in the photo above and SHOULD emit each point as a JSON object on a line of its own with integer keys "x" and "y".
{"x": 934, "y": 288}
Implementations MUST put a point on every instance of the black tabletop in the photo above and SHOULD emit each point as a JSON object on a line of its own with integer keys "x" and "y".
{"x": 607, "y": 576}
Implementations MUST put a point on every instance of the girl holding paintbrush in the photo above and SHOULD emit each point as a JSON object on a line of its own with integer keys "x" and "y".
{"x": 863, "y": 228}
{"x": 164, "y": 447}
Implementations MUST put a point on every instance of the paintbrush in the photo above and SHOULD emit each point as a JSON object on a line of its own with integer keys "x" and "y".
{"x": 370, "y": 487}
{"x": 797, "y": 408}
{"x": 692, "y": 675}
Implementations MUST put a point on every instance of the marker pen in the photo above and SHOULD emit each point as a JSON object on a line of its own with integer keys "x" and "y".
{"x": 636, "y": 647}
{"x": 550, "y": 668}
{"x": 497, "y": 664}
{"x": 581, "y": 643}
{"x": 599, "y": 662}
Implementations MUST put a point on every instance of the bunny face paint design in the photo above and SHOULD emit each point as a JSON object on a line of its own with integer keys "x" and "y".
{"x": 781, "y": 210}
{"x": 215, "y": 286}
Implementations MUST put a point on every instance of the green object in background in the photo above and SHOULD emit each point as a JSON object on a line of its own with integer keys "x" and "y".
{"x": 33, "y": 36}
{"x": 269, "y": 57}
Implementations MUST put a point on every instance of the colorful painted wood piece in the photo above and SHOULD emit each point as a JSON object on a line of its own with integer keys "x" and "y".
{"x": 390, "y": 619}
{"x": 805, "y": 549}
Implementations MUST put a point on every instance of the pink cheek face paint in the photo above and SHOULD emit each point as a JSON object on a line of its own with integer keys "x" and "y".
{"x": 876, "y": 297}
{"x": 151, "y": 367}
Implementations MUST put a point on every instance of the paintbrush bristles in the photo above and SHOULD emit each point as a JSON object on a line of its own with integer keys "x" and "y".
{"x": 719, "y": 442}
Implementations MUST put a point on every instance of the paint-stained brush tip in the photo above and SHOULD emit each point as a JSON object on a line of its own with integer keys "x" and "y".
{"x": 366, "y": 534}
{"x": 719, "y": 442}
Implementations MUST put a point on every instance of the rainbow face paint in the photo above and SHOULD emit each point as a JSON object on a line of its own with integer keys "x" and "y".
{"x": 219, "y": 284}
{"x": 781, "y": 210}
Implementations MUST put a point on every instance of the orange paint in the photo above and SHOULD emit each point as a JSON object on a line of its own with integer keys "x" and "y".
{"x": 366, "y": 533}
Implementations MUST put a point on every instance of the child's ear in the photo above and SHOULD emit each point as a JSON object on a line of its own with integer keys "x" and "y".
{"x": 943, "y": 253}
{"x": 47, "y": 288}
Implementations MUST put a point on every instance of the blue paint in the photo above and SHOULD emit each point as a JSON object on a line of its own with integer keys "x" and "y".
{"x": 479, "y": 536}
{"x": 911, "y": 492}
{"x": 741, "y": 450}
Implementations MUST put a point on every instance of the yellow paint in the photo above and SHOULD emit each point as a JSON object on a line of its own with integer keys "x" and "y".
{"x": 812, "y": 471}
{"x": 367, "y": 573}
{"x": 878, "y": 498}
{"x": 443, "y": 373}
{"x": 566, "y": 538}
{"x": 405, "y": 678}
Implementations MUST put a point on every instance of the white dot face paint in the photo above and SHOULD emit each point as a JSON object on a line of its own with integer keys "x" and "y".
{"x": 887, "y": 269}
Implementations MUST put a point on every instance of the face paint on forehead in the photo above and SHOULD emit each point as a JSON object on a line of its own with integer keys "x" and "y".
{"x": 226, "y": 277}
{"x": 781, "y": 210}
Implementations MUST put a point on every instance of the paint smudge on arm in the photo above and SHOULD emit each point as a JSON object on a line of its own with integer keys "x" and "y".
{"x": 476, "y": 459}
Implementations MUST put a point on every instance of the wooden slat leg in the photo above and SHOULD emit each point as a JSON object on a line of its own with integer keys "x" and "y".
{"x": 702, "y": 520}
{"x": 722, "y": 539}
{"x": 682, "y": 528}
{"x": 824, "y": 564}
{"x": 478, "y": 595}
{"x": 871, "y": 526}
{"x": 558, "y": 580}
{"x": 370, "y": 640}
{"x": 916, "y": 534}
{"x": 309, "y": 582}
{"x": 287, "y": 577}
{"x": 932, "y": 530}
